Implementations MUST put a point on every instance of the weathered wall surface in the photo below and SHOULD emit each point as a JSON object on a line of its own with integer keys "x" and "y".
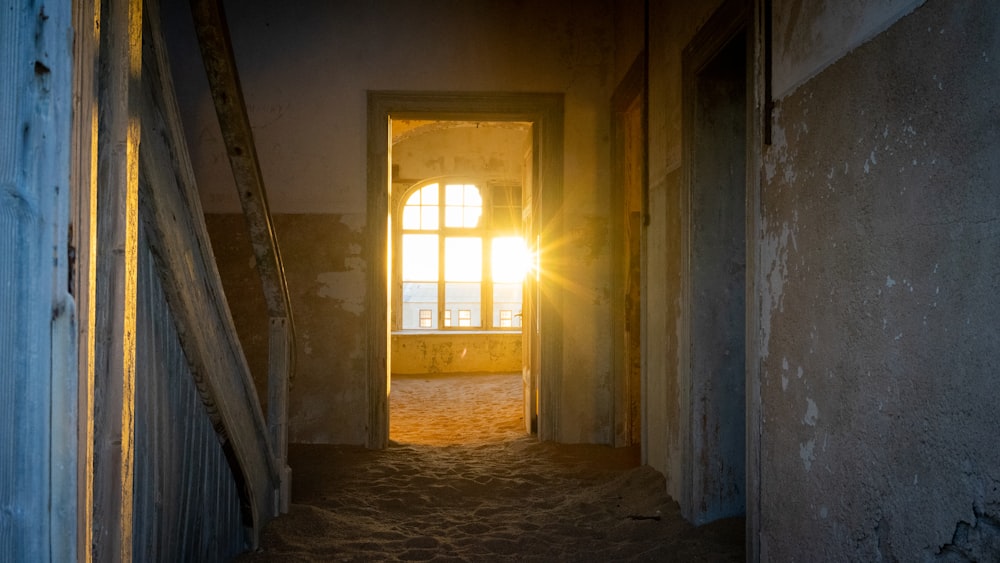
{"x": 809, "y": 36}
{"x": 325, "y": 273}
{"x": 305, "y": 72}
{"x": 629, "y": 34}
{"x": 492, "y": 151}
{"x": 455, "y": 352}
{"x": 672, "y": 26}
{"x": 881, "y": 261}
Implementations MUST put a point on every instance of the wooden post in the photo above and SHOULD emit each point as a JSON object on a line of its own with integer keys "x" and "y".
{"x": 279, "y": 364}
{"x": 83, "y": 217}
{"x": 120, "y": 63}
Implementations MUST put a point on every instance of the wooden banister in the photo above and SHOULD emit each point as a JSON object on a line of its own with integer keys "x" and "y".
{"x": 220, "y": 66}
{"x": 178, "y": 238}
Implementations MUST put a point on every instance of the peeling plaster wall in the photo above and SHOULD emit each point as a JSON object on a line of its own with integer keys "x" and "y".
{"x": 809, "y": 36}
{"x": 305, "y": 70}
{"x": 672, "y": 26}
{"x": 490, "y": 152}
{"x": 455, "y": 352}
{"x": 325, "y": 272}
{"x": 880, "y": 265}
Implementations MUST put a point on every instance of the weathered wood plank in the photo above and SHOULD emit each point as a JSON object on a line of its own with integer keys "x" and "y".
{"x": 187, "y": 507}
{"x": 37, "y": 390}
{"x": 83, "y": 230}
{"x": 179, "y": 241}
{"x": 279, "y": 366}
{"x": 117, "y": 171}
{"x": 223, "y": 77}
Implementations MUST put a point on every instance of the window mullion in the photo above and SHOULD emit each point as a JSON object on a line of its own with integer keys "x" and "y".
{"x": 441, "y": 256}
{"x": 486, "y": 288}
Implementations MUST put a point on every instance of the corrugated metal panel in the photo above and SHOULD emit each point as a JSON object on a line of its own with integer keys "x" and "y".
{"x": 186, "y": 505}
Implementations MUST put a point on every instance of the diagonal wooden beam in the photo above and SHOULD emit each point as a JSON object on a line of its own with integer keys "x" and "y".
{"x": 223, "y": 78}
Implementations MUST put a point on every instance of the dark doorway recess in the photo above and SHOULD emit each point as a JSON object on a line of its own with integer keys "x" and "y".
{"x": 716, "y": 93}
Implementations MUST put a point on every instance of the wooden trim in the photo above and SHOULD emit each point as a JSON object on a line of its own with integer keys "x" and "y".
{"x": 732, "y": 17}
{"x": 115, "y": 306}
{"x": 545, "y": 112}
{"x": 279, "y": 363}
{"x": 758, "y": 134}
{"x": 631, "y": 90}
{"x": 83, "y": 218}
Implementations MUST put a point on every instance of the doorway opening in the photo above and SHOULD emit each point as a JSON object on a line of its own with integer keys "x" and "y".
{"x": 471, "y": 305}
{"x": 716, "y": 83}
{"x": 457, "y": 277}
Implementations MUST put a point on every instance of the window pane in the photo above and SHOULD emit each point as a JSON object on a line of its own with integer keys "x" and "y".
{"x": 506, "y": 209}
{"x": 411, "y": 217}
{"x": 421, "y": 211}
{"x": 462, "y": 304}
{"x": 428, "y": 218}
{"x": 463, "y": 259}
{"x": 420, "y": 305}
{"x": 420, "y": 257}
{"x": 507, "y": 305}
{"x": 463, "y": 217}
{"x": 463, "y": 206}
{"x": 510, "y": 259}
{"x": 454, "y": 194}
{"x": 471, "y": 216}
{"x": 429, "y": 195}
{"x": 426, "y": 318}
{"x": 453, "y": 216}
{"x": 472, "y": 196}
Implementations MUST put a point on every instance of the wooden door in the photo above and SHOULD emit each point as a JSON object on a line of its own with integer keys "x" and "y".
{"x": 529, "y": 300}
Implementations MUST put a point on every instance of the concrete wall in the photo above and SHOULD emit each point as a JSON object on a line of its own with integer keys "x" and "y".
{"x": 455, "y": 352}
{"x": 878, "y": 264}
{"x": 881, "y": 260}
{"x": 305, "y": 72}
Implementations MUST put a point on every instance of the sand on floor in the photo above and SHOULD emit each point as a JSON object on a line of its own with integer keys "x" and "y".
{"x": 462, "y": 481}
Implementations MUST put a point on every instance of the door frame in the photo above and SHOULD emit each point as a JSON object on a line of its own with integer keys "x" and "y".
{"x": 752, "y": 17}
{"x": 545, "y": 113}
{"x": 731, "y": 20}
{"x": 629, "y": 92}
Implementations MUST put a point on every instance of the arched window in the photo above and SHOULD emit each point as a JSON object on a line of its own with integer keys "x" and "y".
{"x": 461, "y": 255}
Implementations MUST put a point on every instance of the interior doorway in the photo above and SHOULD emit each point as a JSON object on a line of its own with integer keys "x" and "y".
{"x": 543, "y": 114}
{"x": 457, "y": 276}
{"x": 716, "y": 126}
